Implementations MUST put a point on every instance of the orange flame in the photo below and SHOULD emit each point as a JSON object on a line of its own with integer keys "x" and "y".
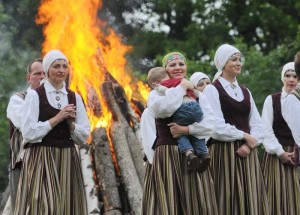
{"x": 73, "y": 27}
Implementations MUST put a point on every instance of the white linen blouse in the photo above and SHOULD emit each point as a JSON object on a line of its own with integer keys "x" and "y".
{"x": 148, "y": 133}
{"x": 165, "y": 106}
{"x": 225, "y": 131}
{"x": 14, "y": 110}
{"x": 291, "y": 114}
{"x": 270, "y": 142}
{"x": 33, "y": 130}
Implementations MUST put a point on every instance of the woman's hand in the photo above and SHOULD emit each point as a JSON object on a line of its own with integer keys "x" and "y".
{"x": 243, "y": 151}
{"x": 68, "y": 113}
{"x": 178, "y": 130}
{"x": 250, "y": 141}
{"x": 70, "y": 116}
{"x": 287, "y": 158}
{"x": 186, "y": 84}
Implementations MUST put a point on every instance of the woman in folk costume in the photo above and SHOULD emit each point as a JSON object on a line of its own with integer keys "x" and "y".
{"x": 235, "y": 165}
{"x": 54, "y": 119}
{"x": 169, "y": 188}
{"x": 280, "y": 173}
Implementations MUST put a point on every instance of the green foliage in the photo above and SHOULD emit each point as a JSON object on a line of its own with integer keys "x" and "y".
{"x": 19, "y": 43}
{"x": 4, "y": 147}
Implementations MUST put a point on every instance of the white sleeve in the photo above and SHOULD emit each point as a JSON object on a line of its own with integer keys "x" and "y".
{"x": 270, "y": 142}
{"x": 14, "y": 110}
{"x": 291, "y": 114}
{"x": 165, "y": 106}
{"x": 223, "y": 131}
{"x": 82, "y": 124}
{"x": 255, "y": 122}
{"x": 33, "y": 130}
{"x": 204, "y": 128}
{"x": 148, "y": 133}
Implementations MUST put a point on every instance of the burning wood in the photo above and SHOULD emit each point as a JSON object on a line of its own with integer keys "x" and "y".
{"x": 106, "y": 174}
{"x": 133, "y": 132}
{"x": 128, "y": 154}
{"x": 93, "y": 102}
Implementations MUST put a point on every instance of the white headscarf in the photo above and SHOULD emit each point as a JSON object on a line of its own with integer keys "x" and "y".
{"x": 286, "y": 67}
{"x": 197, "y": 76}
{"x": 222, "y": 55}
{"x": 52, "y": 56}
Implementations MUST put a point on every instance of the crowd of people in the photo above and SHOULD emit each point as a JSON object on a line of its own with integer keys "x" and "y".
{"x": 200, "y": 140}
{"x": 232, "y": 180}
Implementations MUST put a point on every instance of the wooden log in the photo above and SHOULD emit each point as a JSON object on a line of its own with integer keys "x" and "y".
{"x": 138, "y": 106}
{"x": 93, "y": 102}
{"x": 132, "y": 131}
{"x": 7, "y": 209}
{"x": 105, "y": 170}
{"x": 128, "y": 170}
{"x": 5, "y": 196}
{"x": 88, "y": 179}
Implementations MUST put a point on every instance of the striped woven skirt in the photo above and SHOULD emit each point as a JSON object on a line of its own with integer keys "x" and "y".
{"x": 51, "y": 183}
{"x": 239, "y": 184}
{"x": 282, "y": 182}
{"x": 169, "y": 188}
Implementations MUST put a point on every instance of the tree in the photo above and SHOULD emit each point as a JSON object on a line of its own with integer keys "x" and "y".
{"x": 19, "y": 42}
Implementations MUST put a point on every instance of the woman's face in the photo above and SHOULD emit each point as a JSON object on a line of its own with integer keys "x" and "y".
{"x": 202, "y": 84}
{"x": 290, "y": 80}
{"x": 58, "y": 71}
{"x": 233, "y": 66}
{"x": 176, "y": 68}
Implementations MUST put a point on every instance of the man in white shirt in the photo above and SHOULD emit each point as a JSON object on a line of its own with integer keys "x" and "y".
{"x": 35, "y": 73}
{"x": 291, "y": 107}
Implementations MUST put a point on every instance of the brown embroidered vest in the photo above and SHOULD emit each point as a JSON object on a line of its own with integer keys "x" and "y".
{"x": 234, "y": 112}
{"x": 281, "y": 129}
{"x": 59, "y": 136}
{"x": 163, "y": 133}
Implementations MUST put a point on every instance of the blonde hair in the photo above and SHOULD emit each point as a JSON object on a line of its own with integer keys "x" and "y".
{"x": 155, "y": 75}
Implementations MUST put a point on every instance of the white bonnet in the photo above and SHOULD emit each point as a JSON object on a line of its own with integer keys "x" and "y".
{"x": 197, "y": 76}
{"x": 52, "y": 56}
{"x": 222, "y": 55}
{"x": 286, "y": 67}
